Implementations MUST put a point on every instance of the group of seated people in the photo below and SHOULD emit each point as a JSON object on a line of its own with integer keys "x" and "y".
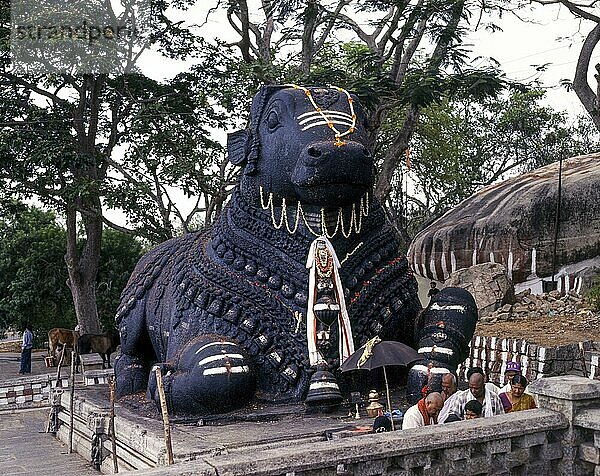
{"x": 481, "y": 399}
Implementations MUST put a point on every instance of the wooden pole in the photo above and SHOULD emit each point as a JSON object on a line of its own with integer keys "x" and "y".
{"x": 60, "y": 362}
{"x": 72, "y": 387}
{"x": 387, "y": 389}
{"x": 113, "y": 437}
{"x": 165, "y": 414}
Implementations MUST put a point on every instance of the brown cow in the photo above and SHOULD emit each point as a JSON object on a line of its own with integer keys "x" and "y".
{"x": 104, "y": 344}
{"x": 60, "y": 336}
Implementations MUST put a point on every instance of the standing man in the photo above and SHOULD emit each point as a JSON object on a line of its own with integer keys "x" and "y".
{"x": 433, "y": 290}
{"x": 424, "y": 413}
{"x": 26, "y": 347}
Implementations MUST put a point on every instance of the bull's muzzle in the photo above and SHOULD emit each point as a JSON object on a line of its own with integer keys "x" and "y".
{"x": 323, "y": 166}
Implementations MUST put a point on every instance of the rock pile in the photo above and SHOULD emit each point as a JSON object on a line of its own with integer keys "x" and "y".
{"x": 487, "y": 282}
{"x": 532, "y": 306}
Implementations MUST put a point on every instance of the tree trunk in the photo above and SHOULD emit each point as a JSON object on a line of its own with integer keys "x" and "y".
{"x": 584, "y": 92}
{"x": 83, "y": 269}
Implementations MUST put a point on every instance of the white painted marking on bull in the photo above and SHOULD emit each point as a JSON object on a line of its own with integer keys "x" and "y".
{"x": 304, "y": 117}
{"x": 342, "y": 117}
{"x": 224, "y": 370}
{"x": 434, "y": 370}
{"x": 211, "y": 344}
{"x": 213, "y": 358}
{"x": 325, "y": 123}
{"x": 318, "y": 385}
{"x": 447, "y": 307}
{"x": 452, "y": 261}
{"x": 435, "y": 349}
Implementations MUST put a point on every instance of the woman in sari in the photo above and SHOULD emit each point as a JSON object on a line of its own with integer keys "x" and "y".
{"x": 516, "y": 400}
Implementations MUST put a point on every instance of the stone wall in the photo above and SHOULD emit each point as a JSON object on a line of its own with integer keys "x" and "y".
{"x": 561, "y": 438}
{"x": 28, "y": 391}
{"x": 522, "y": 443}
{"x": 492, "y": 353}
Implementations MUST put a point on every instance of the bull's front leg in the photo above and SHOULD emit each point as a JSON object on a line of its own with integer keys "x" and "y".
{"x": 211, "y": 374}
{"x": 131, "y": 368}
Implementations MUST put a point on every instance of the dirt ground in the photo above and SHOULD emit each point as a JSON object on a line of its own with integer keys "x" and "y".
{"x": 548, "y": 330}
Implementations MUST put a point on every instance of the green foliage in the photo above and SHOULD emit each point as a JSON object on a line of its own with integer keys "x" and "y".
{"x": 461, "y": 145}
{"x": 33, "y": 275}
{"x": 120, "y": 254}
{"x": 593, "y": 295}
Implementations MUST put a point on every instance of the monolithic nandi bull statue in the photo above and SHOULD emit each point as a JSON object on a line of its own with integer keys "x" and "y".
{"x": 300, "y": 268}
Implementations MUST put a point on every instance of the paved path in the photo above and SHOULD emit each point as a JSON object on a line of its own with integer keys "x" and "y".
{"x": 9, "y": 364}
{"x": 26, "y": 450}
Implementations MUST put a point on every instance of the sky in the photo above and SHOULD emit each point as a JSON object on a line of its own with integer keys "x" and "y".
{"x": 551, "y": 37}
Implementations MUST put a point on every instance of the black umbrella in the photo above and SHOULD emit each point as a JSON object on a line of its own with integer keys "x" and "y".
{"x": 377, "y": 353}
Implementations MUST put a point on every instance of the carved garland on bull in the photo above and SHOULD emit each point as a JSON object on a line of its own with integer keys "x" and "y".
{"x": 267, "y": 299}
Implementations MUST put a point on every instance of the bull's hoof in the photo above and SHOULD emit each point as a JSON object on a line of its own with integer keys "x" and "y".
{"x": 211, "y": 375}
{"x": 131, "y": 375}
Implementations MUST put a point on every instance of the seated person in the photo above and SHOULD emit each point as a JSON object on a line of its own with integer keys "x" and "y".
{"x": 449, "y": 385}
{"x": 477, "y": 391}
{"x": 452, "y": 418}
{"x": 382, "y": 424}
{"x": 512, "y": 370}
{"x": 424, "y": 413}
{"x": 492, "y": 387}
{"x": 473, "y": 409}
{"x": 517, "y": 399}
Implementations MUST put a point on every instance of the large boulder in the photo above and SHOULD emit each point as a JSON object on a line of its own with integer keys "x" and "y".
{"x": 488, "y": 283}
{"x": 513, "y": 223}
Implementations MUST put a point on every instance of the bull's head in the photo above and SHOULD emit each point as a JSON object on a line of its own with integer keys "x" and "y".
{"x": 304, "y": 144}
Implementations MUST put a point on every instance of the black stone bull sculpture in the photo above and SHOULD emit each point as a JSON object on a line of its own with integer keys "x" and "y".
{"x": 234, "y": 312}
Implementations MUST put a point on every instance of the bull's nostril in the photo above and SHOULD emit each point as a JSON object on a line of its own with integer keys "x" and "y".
{"x": 314, "y": 152}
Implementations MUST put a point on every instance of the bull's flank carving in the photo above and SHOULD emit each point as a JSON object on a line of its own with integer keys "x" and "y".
{"x": 299, "y": 269}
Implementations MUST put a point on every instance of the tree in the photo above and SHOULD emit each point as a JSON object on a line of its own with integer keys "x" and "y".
{"x": 406, "y": 57}
{"x": 61, "y": 130}
{"x": 589, "y": 95}
{"x": 120, "y": 254}
{"x": 460, "y": 146}
{"x": 33, "y": 278}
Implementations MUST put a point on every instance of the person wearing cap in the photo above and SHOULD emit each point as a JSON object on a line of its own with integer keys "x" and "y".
{"x": 516, "y": 399}
{"x": 512, "y": 370}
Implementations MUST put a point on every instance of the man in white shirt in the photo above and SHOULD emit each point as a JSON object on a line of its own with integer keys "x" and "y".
{"x": 477, "y": 390}
{"x": 449, "y": 385}
{"x": 424, "y": 413}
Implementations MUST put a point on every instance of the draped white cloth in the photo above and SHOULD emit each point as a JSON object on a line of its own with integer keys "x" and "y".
{"x": 345, "y": 339}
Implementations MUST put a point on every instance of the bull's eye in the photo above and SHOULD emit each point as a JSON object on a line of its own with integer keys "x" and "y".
{"x": 273, "y": 120}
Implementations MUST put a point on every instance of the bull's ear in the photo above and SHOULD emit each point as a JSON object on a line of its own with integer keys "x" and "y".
{"x": 236, "y": 147}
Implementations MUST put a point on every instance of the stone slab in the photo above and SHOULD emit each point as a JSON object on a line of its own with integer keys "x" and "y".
{"x": 588, "y": 452}
{"x": 310, "y": 456}
{"x": 589, "y": 418}
{"x": 567, "y": 387}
